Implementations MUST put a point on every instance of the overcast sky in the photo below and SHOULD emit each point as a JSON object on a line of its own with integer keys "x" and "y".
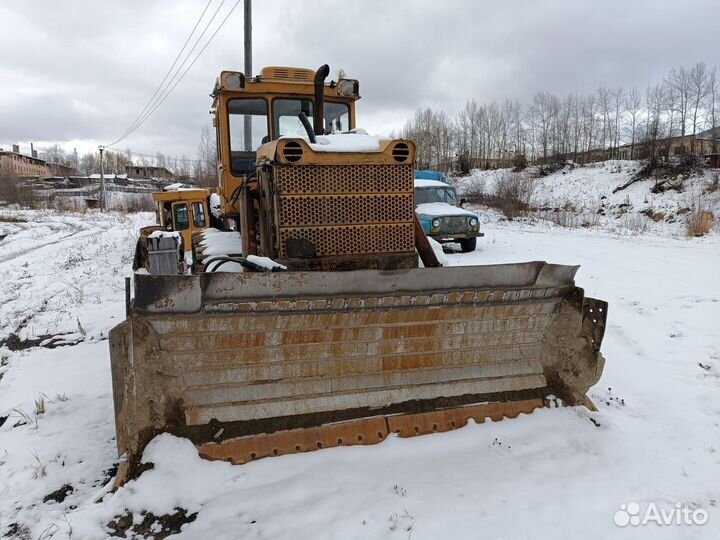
{"x": 77, "y": 72}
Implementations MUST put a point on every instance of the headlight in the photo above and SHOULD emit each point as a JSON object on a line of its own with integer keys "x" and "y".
{"x": 473, "y": 222}
{"x": 435, "y": 223}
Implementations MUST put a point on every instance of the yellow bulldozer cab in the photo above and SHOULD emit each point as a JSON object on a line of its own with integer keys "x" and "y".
{"x": 184, "y": 211}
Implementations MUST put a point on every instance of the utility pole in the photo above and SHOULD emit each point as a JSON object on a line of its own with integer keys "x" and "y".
{"x": 248, "y": 70}
{"x": 102, "y": 179}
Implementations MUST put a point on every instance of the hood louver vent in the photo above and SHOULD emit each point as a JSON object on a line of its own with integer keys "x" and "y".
{"x": 400, "y": 152}
{"x": 292, "y": 151}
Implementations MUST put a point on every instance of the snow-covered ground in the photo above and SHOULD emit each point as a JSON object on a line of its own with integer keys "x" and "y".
{"x": 588, "y": 196}
{"x": 559, "y": 473}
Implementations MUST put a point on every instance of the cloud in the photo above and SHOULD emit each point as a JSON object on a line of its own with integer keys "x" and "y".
{"x": 82, "y": 70}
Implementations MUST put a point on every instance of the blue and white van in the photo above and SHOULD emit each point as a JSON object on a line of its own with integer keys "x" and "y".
{"x": 436, "y": 205}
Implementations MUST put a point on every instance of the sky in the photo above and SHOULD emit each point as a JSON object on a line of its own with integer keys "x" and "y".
{"x": 78, "y": 72}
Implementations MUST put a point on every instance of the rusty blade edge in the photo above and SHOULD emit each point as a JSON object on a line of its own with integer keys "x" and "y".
{"x": 364, "y": 431}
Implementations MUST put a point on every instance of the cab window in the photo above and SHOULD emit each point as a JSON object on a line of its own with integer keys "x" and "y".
{"x": 199, "y": 214}
{"x": 286, "y": 121}
{"x": 180, "y": 215}
{"x": 247, "y": 120}
{"x": 337, "y": 117}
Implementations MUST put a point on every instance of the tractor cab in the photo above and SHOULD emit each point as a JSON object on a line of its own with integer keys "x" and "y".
{"x": 279, "y": 102}
{"x": 184, "y": 211}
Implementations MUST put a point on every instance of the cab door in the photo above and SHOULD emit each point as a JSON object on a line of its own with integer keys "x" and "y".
{"x": 199, "y": 216}
{"x": 181, "y": 223}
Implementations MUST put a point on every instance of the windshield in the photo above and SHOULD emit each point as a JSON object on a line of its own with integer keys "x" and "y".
{"x": 247, "y": 120}
{"x": 286, "y": 122}
{"x": 250, "y": 112}
{"x": 435, "y": 195}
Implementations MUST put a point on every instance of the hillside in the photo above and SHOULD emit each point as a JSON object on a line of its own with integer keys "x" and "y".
{"x": 592, "y": 196}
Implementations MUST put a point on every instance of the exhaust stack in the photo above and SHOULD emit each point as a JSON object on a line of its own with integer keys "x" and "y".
{"x": 318, "y": 117}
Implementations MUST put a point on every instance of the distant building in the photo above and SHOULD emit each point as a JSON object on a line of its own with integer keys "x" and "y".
{"x": 21, "y": 166}
{"x": 64, "y": 171}
{"x": 146, "y": 171}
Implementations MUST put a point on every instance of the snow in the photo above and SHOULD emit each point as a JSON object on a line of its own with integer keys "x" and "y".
{"x": 439, "y": 253}
{"x": 216, "y": 243}
{"x": 554, "y": 473}
{"x": 216, "y": 205}
{"x": 224, "y": 243}
{"x": 265, "y": 262}
{"x": 345, "y": 142}
{"x": 164, "y": 234}
{"x": 421, "y": 183}
{"x": 441, "y": 209}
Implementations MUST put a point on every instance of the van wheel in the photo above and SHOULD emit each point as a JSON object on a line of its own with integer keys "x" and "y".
{"x": 468, "y": 244}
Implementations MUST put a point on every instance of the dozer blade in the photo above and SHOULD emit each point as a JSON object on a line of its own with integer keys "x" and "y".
{"x": 258, "y": 364}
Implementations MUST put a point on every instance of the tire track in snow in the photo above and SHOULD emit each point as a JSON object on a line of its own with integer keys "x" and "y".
{"x": 90, "y": 229}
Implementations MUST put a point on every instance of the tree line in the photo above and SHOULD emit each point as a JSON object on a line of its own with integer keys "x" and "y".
{"x": 683, "y": 103}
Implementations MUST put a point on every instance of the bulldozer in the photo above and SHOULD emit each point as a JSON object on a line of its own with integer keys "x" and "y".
{"x": 356, "y": 332}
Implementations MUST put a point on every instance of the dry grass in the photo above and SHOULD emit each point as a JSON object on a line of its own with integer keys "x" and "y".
{"x": 512, "y": 194}
{"x": 699, "y": 223}
{"x": 699, "y": 218}
{"x": 636, "y": 223}
{"x": 39, "y": 469}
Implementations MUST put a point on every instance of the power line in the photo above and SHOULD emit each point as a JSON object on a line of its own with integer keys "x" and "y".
{"x": 141, "y": 119}
{"x": 167, "y": 94}
{"x": 162, "y": 83}
{"x": 161, "y": 99}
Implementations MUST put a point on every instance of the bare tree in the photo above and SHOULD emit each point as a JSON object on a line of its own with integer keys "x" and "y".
{"x": 698, "y": 92}
{"x": 679, "y": 81}
{"x": 617, "y": 95}
{"x": 543, "y": 115}
{"x": 54, "y": 154}
{"x": 654, "y": 98}
{"x": 206, "y": 164}
{"x": 633, "y": 104}
{"x": 712, "y": 106}
{"x": 589, "y": 111}
{"x": 604, "y": 101}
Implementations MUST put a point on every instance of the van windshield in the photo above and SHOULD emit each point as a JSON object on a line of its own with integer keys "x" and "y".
{"x": 435, "y": 195}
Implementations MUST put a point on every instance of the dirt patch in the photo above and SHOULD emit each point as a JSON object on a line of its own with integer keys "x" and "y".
{"x": 652, "y": 214}
{"x": 14, "y": 343}
{"x": 15, "y": 530}
{"x": 11, "y": 219}
{"x": 152, "y": 526}
{"x": 59, "y": 495}
{"x": 108, "y": 474}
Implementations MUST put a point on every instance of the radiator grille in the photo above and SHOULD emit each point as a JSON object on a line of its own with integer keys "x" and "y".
{"x": 316, "y": 179}
{"x": 346, "y": 209}
{"x": 318, "y": 210}
{"x": 353, "y": 239}
{"x": 455, "y": 224}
